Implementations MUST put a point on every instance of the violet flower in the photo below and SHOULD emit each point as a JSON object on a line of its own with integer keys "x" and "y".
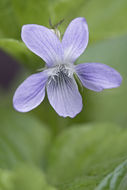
{"x": 57, "y": 78}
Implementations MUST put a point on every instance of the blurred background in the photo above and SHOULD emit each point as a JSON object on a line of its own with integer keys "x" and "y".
{"x": 39, "y": 149}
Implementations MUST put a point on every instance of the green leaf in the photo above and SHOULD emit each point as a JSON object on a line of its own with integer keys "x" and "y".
{"x": 31, "y": 11}
{"x": 24, "y": 177}
{"x": 5, "y": 179}
{"x": 14, "y": 14}
{"x": 30, "y": 178}
{"x": 82, "y": 155}
{"x": 116, "y": 180}
{"x": 22, "y": 138}
{"x": 9, "y": 23}
{"x": 105, "y": 18}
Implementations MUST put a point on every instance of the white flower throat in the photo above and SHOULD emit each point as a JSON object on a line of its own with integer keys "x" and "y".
{"x": 58, "y": 72}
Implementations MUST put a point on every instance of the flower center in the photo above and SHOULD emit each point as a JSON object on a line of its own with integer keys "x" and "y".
{"x": 60, "y": 71}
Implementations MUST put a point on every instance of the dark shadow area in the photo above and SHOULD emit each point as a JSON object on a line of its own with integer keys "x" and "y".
{"x": 9, "y": 69}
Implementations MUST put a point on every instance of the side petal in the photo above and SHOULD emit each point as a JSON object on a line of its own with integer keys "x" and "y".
{"x": 30, "y": 93}
{"x": 43, "y": 42}
{"x": 96, "y": 76}
{"x": 64, "y": 96}
{"x": 75, "y": 39}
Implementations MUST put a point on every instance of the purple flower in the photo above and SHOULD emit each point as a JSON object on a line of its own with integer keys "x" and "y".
{"x": 57, "y": 78}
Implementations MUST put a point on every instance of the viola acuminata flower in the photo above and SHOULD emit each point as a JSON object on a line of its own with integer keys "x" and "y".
{"x": 57, "y": 78}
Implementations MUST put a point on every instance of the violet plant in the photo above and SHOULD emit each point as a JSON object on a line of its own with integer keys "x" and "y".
{"x": 41, "y": 150}
{"x": 58, "y": 76}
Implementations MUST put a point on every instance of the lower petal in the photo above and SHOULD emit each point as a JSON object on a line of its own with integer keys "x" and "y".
{"x": 96, "y": 76}
{"x": 64, "y": 96}
{"x": 30, "y": 93}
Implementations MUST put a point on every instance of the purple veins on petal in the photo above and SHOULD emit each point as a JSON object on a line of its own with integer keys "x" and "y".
{"x": 64, "y": 96}
{"x": 96, "y": 76}
{"x": 75, "y": 39}
{"x": 30, "y": 93}
{"x": 43, "y": 42}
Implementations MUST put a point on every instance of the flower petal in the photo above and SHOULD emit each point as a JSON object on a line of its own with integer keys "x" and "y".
{"x": 43, "y": 42}
{"x": 30, "y": 93}
{"x": 75, "y": 39}
{"x": 96, "y": 76}
{"x": 64, "y": 96}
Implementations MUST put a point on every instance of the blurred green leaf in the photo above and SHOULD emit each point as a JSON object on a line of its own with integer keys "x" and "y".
{"x": 5, "y": 179}
{"x": 30, "y": 178}
{"x": 22, "y": 139}
{"x": 9, "y": 26}
{"x": 82, "y": 155}
{"x": 23, "y": 178}
{"x": 31, "y": 11}
{"x": 15, "y": 13}
{"x": 116, "y": 180}
{"x": 77, "y": 159}
{"x": 105, "y": 18}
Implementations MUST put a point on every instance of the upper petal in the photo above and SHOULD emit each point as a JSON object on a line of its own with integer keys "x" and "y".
{"x": 64, "y": 96}
{"x": 43, "y": 42}
{"x": 30, "y": 93}
{"x": 96, "y": 76}
{"x": 75, "y": 39}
